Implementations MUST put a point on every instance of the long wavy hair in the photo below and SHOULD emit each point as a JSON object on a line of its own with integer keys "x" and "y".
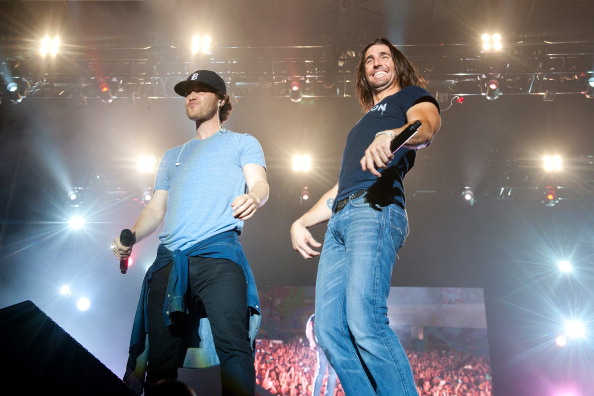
{"x": 406, "y": 73}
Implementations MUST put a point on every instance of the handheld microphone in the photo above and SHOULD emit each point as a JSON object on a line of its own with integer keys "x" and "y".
{"x": 403, "y": 137}
{"x": 127, "y": 239}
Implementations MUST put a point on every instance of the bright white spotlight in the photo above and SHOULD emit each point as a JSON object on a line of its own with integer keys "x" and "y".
{"x": 201, "y": 45}
{"x": 65, "y": 290}
{"x": 575, "y": 329}
{"x": 12, "y": 86}
{"x": 561, "y": 341}
{"x": 146, "y": 164}
{"x": 468, "y": 196}
{"x": 49, "y": 46}
{"x": 302, "y": 163}
{"x": 305, "y": 194}
{"x": 565, "y": 266}
{"x": 552, "y": 163}
{"x": 83, "y": 304}
{"x": 491, "y": 42}
{"x": 147, "y": 195}
{"x": 77, "y": 222}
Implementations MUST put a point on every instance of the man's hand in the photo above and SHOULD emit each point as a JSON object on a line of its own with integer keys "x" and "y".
{"x": 302, "y": 239}
{"x": 245, "y": 206}
{"x": 120, "y": 251}
{"x": 378, "y": 154}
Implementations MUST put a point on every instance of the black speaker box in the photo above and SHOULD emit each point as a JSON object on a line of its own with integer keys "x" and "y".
{"x": 37, "y": 357}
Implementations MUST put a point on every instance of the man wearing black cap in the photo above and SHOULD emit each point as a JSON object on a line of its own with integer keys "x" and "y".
{"x": 199, "y": 304}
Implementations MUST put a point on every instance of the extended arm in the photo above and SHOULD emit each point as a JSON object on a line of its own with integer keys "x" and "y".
{"x": 378, "y": 154}
{"x": 246, "y": 205}
{"x": 147, "y": 222}
{"x": 319, "y": 213}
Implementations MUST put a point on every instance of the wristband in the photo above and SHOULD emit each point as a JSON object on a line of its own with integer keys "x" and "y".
{"x": 386, "y": 133}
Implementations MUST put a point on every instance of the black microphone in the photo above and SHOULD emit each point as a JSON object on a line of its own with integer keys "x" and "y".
{"x": 127, "y": 239}
{"x": 403, "y": 136}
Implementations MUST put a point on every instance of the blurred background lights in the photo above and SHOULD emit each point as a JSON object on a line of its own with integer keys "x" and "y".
{"x": 76, "y": 222}
{"x": 83, "y": 304}
{"x": 146, "y": 164}
{"x": 302, "y": 163}
{"x": 49, "y": 46}
{"x": 552, "y": 163}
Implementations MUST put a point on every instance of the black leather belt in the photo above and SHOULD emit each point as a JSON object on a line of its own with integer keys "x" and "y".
{"x": 343, "y": 202}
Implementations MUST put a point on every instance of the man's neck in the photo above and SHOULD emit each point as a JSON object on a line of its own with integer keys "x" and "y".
{"x": 205, "y": 129}
{"x": 381, "y": 95}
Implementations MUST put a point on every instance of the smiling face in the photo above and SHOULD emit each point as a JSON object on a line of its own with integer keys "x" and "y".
{"x": 380, "y": 70}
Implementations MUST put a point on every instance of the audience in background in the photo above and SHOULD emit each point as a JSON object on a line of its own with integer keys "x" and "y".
{"x": 288, "y": 368}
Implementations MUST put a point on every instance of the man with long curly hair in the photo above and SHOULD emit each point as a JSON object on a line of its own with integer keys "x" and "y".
{"x": 367, "y": 225}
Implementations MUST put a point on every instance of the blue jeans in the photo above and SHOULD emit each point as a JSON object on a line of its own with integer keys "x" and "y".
{"x": 322, "y": 366}
{"x": 352, "y": 287}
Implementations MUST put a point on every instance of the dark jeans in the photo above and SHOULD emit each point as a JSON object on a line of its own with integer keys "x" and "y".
{"x": 218, "y": 287}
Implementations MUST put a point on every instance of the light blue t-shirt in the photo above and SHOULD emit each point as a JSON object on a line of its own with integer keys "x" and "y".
{"x": 202, "y": 178}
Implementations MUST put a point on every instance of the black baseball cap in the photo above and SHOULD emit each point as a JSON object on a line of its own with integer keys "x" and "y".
{"x": 205, "y": 77}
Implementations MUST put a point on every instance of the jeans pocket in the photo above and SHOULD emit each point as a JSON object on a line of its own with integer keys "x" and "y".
{"x": 398, "y": 226}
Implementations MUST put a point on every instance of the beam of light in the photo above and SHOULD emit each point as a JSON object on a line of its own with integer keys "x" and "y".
{"x": 83, "y": 304}
{"x": 302, "y": 163}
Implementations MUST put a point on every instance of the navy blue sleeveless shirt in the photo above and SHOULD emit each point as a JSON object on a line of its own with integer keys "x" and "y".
{"x": 390, "y": 113}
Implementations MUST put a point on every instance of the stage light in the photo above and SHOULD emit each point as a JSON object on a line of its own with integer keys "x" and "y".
{"x": 295, "y": 91}
{"x": 105, "y": 90}
{"x": 590, "y": 88}
{"x": 16, "y": 88}
{"x": 565, "y": 266}
{"x": 11, "y": 86}
{"x": 301, "y": 163}
{"x": 467, "y": 196}
{"x": 575, "y": 329}
{"x": 491, "y": 42}
{"x": 551, "y": 163}
{"x": 77, "y": 222}
{"x": 49, "y": 45}
{"x": 201, "y": 45}
{"x": 147, "y": 195}
{"x": 493, "y": 89}
{"x": 75, "y": 197}
{"x": 83, "y": 304}
{"x": 65, "y": 290}
{"x": 146, "y": 164}
{"x": 305, "y": 194}
{"x": 550, "y": 196}
{"x": 561, "y": 341}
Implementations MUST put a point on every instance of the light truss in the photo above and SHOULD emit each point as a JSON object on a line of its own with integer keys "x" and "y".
{"x": 524, "y": 69}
